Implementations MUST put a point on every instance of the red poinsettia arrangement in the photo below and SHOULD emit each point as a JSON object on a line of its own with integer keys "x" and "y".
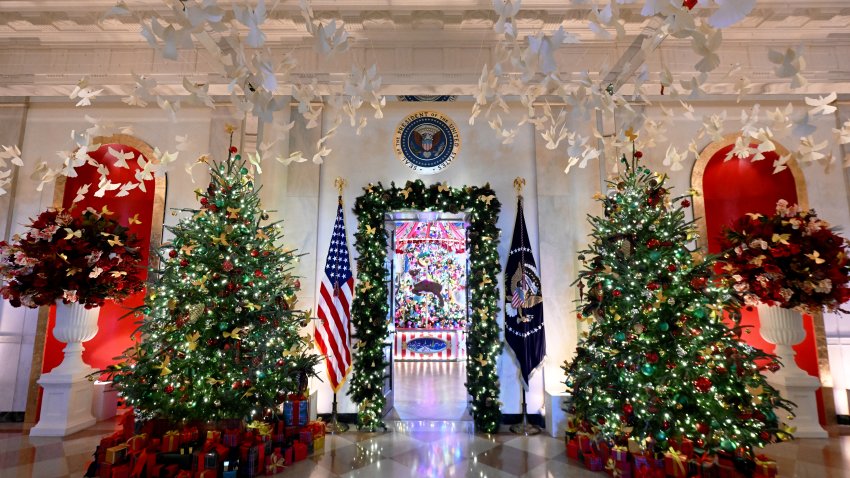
{"x": 86, "y": 259}
{"x": 791, "y": 259}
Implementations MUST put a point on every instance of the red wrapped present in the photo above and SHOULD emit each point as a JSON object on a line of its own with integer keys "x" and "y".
{"x": 289, "y": 455}
{"x": 317, "y": 428}
{"x": 138, "y": 461}
{"x": 593, "y": 461}
{"x": 171, "y": 441}
{"x": 703, "y": 466}
{"x": 765, "y": 467}
{"x": 584, "y": 443}
{"x": 683, "y": 446}
{"x": 275, "y": 462}
{"x": 572, "y": 449}
{"x": 120, "y": 471}
{"x": 301, "y": 451}
{"x": 291, "y": 431}
{"x": 675, "y": 464}
{"x": 213, "y": 435}
{"x": 111, "y": 440}
{"x": 642, "y": 461}
{"x": 138, "y": 443}
{"x": 189, "y": 435}
{"x": 231, "y": 437}
{"x": 647, "y": 472}
{"x": 169, "y": 471}
{"x": 104, "y": 470}
{"x": 154, "y": 445}
{"x": 128, "y": 425}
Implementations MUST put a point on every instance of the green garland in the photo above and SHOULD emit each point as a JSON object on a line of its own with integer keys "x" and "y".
{"x": 371, "y": 303}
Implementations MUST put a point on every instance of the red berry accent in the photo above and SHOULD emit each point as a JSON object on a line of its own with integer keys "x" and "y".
{"x": 233, "y": 149}
{"x": 638, "y": 154}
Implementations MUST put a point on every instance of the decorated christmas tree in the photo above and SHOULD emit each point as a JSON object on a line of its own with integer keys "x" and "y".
{"x": 660, "y": 362}
{"x": 220, "y": 337}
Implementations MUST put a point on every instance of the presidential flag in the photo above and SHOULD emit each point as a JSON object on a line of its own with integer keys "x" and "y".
{"x": 334, "y": 311}
{"x": 523, "y": 302}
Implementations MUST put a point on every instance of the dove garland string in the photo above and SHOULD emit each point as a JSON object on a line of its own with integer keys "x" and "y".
{"x": 370, "y": 305}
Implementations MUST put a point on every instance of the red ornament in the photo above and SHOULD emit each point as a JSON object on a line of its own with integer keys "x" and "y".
{"x": 255, "y": 253}
{"x": 259, "y": 273}
{"x": 227, "y": 266}
{"x": 246, "y": 383}
{"x": 638, "y": 154}
{"x": 205, "y": 201}
{"x": 665, "y": 425}
{"x": 686, "y": 203}
{"x": 765, "y": 436}
{"x": 601, "y": 420}
{"x": 233, "y": 150}
{"x": 690, "y": 4}
{"x": 617, "y": 293}
{"x": 653, "y": 243}
{"x": 628, "y": 409}
{"x": 653, "y": 286}
{"x": 699, "y": 282}
{"x": 651, "y": 357}
{"x": 672, "y": 268}
{"x": 237, "y": 385}
{"x": 169, "y": 389}
{"x": 172, "y": 253}
{"x": 703, "y": 428}
{"x": 184, "y": 263}
{"x": 720, "y": 369}
{"x": 700, "y": 443}
{"x": 703, "y": 384}
{"x": 280, "y": 362}
{"x": 297, "y": 284}
{"x": 263, "y": 319}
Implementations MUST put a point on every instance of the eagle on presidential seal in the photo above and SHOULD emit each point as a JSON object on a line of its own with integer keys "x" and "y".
{"x": 428, "y": 141}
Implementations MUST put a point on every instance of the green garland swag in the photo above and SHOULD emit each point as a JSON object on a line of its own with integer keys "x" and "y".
{"x": 371, "y": 304}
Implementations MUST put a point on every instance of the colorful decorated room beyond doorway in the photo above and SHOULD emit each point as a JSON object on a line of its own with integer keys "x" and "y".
{"x": 518, "y": 238}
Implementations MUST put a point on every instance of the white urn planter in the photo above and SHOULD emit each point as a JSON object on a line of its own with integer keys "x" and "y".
{"x": 784, "y": 328}
{"x": 67, "y": 399}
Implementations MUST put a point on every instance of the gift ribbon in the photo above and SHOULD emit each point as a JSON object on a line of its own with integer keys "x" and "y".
{"x": 677, "y": 459}
{"x": 275, "y": 462}
{"x": 611, "y": 467}
{"x": 132, "y": 441}
{"x": 764, "y": 462}
{"x": 263, "y": 429}
{"x": 705, "y": 458}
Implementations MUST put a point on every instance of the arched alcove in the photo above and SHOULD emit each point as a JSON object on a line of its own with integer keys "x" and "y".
{"x": 731, "y": 188}
{"x": 146, "y": 208}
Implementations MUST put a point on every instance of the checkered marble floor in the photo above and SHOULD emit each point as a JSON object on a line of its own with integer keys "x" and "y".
{"x": 410, "y": 449}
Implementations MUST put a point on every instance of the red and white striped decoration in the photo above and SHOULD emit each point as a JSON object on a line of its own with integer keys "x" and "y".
{"x": 455, "y": 345}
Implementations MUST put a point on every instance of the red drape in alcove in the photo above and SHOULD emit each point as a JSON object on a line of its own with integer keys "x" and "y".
{"x": 113, "y": 336}
{"x": 738, "y": 186}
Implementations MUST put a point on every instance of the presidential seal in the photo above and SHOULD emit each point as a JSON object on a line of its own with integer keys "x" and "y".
{"x": 426, "y": 141}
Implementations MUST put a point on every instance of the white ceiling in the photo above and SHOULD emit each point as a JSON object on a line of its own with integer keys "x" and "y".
{"x": 419, "y": 47}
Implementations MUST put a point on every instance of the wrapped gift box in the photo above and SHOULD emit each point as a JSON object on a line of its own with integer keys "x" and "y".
{"x": 703, "y": 466}
{"x": 171, "y": 441}
{"x": 584, "y": 443}
{"x": 116, "y": 455}
{"x": 683, "y": 446}
{"x": 675, "y": 464}
{"x": 231, "y": 437}
{"x": 572, "y": 449}
{"x": 300, "y": 451}
{"x": 275, "y": 462}
{"x": 765, "y": 467}
{"x": 296, "y": 413}
{"x": 319, "y": 444}
{"x": 213, "y": 435}
{"x": 594, "y": 462}
{"x": 618, "y": 469}
{"x": 120, "y": 471}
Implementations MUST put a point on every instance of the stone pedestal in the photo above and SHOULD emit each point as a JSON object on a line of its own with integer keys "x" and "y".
{"x": 67, "y": 400}
{"x": 784, "y": 328}
{"x": 556, "y": 416}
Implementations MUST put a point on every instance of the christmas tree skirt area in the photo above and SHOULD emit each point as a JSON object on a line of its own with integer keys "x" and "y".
{"x": 402, "y": 451}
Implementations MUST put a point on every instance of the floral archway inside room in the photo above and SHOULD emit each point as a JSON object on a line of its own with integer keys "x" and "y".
{"x": 371, "y": 301}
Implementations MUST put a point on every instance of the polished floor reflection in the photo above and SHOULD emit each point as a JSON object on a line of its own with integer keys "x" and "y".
{"x": 416, "y": 448}
{"x": 430, "y": 391}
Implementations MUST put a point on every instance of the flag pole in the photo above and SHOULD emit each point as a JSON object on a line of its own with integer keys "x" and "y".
{"x": 335, "y": 426}
{"x": 523, "y": 428}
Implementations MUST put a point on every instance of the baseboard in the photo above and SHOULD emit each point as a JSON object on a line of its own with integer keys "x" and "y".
{"x": 12, "y": 417}
{"x": 514, "y": 418}
{"x": 843, "y": 419}
{"x": 350, "y": 418}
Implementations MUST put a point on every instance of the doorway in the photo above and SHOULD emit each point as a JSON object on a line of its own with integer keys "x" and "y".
{"x": 429, "y": 314}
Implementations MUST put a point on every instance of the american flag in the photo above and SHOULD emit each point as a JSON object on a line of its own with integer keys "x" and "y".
{"x": 334, "y": 312}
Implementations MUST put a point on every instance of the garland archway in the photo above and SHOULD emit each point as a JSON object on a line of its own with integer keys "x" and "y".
{"x": 371, "y": 302}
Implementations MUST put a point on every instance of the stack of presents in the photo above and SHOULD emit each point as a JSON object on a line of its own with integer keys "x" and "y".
{"x": 680, "y": 460}
{"x": 230, "y": 449}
